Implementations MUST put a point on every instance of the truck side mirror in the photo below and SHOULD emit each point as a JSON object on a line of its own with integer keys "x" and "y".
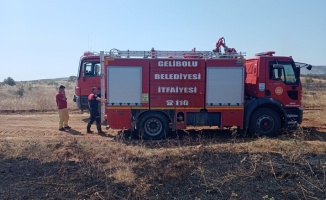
{"x": 309, "y": 67}
{"x": 278, "y": 66}
{"x": 300, "y": 65}
{"x": 84, "y": 70}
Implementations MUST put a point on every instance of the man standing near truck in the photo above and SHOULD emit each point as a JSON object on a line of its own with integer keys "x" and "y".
{"x": 61, "y": 100}
{"x": 93, "y": 102}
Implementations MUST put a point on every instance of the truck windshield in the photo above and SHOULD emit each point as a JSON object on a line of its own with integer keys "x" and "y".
{"x": 285, "y": 74}
{"x": 92, "y": 69}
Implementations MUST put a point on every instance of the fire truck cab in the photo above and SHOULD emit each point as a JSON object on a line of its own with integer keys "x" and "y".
{"x": 88, "y": 76}
{"x": 272, "y": 94}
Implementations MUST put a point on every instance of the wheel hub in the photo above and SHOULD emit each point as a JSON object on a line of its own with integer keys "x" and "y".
{"x": 265, "y": 124}
{"x": 153, "y": 127}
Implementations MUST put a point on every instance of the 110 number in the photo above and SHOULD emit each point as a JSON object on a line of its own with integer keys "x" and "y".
{"x": 181, "y": 102}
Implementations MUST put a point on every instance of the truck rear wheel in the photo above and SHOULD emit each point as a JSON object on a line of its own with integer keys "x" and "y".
{"x": 265, "y": 122}
{"x": 153, "y": 126}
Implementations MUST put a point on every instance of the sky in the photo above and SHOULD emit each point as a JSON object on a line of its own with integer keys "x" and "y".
{"x": 41, "y": 39}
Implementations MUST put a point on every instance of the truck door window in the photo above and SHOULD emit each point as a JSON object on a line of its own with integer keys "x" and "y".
{"x": 285, "y": 75}
{"x": 278, "y": 75}
{"x": 289, "y": 74}
{"x": 92, "y": 69}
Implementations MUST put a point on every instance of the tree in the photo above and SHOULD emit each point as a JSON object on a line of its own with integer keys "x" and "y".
{"x": 72, "y": 78}
{"x": 9, "y": 81}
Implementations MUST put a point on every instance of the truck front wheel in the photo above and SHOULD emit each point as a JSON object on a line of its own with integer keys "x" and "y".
{"x": 153, "y": 126}
{"x": 265, "y": 122}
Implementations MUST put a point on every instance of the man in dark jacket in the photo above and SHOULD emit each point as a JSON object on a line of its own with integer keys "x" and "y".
{"x": 93, "y": 100}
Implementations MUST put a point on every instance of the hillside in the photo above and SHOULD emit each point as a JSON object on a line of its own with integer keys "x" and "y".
{"x": 315, "y": 70}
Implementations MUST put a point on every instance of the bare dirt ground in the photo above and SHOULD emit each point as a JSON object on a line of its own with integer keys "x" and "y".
{"x": 39, "y": 162}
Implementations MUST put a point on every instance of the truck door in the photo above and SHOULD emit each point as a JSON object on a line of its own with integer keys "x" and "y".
{"x": 90, "y": 76}
{"x": 283, "y": 83}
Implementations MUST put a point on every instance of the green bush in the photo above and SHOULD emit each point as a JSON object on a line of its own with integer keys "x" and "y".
{"x": 72, "y": 79}
{"x": 20, "y": 91}
{"x": 9, "y": 81}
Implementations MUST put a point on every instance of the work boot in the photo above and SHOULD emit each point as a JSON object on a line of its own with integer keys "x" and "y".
{"x": 89, "y": 128}
{"x": 99, "y": 129}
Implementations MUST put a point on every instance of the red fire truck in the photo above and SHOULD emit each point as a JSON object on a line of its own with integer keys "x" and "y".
{"x": 152, "y": 92}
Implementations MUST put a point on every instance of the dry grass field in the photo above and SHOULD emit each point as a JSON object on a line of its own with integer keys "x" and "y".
{"x": 34, "y": 95}
{"x": 39, "y": 162}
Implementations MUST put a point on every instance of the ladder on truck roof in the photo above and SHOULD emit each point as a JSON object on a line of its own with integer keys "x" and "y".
{"x": 115, "y": 53}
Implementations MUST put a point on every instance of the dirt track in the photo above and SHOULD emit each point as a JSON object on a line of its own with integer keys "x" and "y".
{"x": 37, "y": 125}
{"x": 43, "y": 125}
{"x": 39, "y": 162}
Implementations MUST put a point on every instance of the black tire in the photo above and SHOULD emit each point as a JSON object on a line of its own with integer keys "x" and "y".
{"x": 153, "y": 126}
{"x": 265, "y": 122}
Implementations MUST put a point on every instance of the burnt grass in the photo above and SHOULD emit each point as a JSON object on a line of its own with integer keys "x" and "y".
{"x": 204, "y": 174}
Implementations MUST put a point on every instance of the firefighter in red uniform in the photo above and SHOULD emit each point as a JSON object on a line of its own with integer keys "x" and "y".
{"x": 93, "y": 100}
